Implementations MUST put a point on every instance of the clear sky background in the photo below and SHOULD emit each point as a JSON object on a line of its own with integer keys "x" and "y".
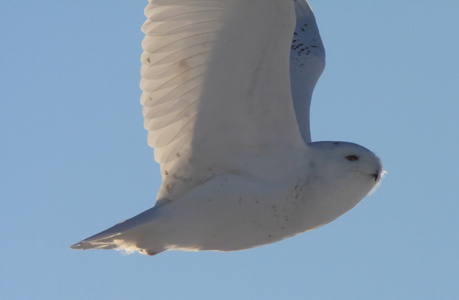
{"x": 74, "y": 159}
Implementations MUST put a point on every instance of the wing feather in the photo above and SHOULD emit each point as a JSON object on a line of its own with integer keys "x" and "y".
{"x": 307, "y": 62}
{"x": 216, "y": 90}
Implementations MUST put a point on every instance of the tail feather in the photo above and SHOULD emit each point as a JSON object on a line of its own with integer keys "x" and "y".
{"x": 115, "y": 237}
{"x": 106, "y": 242}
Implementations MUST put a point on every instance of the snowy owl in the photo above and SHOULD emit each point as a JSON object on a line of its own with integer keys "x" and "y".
{"x": 226, "y": 88}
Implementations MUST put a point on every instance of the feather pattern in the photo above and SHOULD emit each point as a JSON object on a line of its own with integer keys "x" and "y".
{"x": 307, "y": 62}
{"x": 233, "y": 113}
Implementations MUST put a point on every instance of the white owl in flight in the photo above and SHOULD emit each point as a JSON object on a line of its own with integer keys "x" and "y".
{"x": 227, "y": 87}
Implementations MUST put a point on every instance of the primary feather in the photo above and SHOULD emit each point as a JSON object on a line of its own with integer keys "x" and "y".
{"x": 211, "y": 67}
{"x": 307, "y": 62}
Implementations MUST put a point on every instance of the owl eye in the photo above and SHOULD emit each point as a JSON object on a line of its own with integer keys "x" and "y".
{"x": 352, "y": 158}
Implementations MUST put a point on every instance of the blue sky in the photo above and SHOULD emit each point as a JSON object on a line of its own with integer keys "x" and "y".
{"x": 75, "y": 159}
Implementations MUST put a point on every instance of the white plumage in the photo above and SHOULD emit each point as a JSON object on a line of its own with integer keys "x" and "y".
{"x": 226, "y": 93}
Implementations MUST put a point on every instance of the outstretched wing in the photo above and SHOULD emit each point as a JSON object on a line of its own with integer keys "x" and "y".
{"x": 216, "y": 88}
{"x": 307, "y": 61}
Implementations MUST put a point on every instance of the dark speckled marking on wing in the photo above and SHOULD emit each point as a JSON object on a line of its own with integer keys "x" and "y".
{"x": 300, "y": 46}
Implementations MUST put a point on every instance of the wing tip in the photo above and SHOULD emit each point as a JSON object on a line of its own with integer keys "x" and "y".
{"x": 85, "y": 245}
